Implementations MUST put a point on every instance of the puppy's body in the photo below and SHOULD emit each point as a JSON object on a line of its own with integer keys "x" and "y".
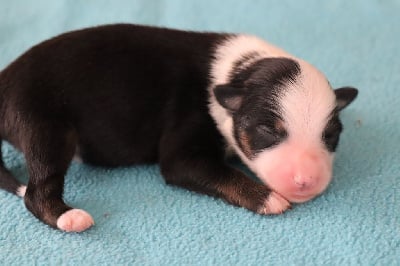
{"x": 116, "y": 87}
{"x": 124, "y": 94}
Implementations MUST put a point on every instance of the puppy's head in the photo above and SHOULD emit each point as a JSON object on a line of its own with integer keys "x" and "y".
{"x": 283, "y": 121}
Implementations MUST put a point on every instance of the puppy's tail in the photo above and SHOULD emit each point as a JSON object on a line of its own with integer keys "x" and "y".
{"x": 8, "y": 181}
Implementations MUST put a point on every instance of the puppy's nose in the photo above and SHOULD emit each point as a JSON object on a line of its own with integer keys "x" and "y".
{"x": 304, "y": 182}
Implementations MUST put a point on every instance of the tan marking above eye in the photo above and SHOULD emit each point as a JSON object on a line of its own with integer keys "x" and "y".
{"x": 245, "y": 143}
{"x": 280, "y": 127}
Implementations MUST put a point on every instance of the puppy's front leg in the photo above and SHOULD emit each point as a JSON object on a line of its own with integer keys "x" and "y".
{"x": 197, "y": 163}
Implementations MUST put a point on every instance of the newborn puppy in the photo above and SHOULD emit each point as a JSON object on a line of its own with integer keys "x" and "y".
{"x": 125, "y": 94}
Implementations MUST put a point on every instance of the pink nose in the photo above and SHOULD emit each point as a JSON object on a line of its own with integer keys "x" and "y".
{"x": 304, "y": 182}
{"x": 307, "y": 172}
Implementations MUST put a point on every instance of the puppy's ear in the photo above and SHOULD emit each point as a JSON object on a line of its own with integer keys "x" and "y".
{"x": 344, "y": 96}
{"x": 229, "y": 97}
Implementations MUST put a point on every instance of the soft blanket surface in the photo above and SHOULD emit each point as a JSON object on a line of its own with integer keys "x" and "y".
{"x": 142, "y": 221}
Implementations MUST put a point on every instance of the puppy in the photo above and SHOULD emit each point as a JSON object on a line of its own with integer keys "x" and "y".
{"x": 125, "y": 94}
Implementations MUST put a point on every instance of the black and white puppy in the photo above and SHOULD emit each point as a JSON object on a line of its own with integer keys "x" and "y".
{"x": 125, "y": 94}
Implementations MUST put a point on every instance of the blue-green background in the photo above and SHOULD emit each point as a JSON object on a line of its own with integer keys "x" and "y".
{"x": 141, "y": 221}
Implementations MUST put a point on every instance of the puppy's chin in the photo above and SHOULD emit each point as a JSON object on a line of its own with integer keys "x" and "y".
{"x": 298, "y": 198}
{"x": 297, "y": 195}
{"x": 296, "y": 192}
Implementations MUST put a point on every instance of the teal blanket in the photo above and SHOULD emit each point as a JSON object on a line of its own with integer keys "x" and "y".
{"x": 142, "y": 221}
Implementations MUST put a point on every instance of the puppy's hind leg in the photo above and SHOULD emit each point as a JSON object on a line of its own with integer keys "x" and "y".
{"x": 49, "y": 150}
{"x": 8, "y": 181}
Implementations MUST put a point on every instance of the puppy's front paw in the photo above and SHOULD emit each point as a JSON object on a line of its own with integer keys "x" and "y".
{"x": 274, "y": 204}
{"x": 75, "y": 220}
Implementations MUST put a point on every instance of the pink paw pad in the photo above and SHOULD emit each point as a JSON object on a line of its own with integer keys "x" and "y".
{"x": 275, "y": 204}
{"x": 75, "y": 220}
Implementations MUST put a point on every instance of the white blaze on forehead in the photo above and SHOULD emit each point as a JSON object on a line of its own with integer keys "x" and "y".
{"x": 307, "y": 104}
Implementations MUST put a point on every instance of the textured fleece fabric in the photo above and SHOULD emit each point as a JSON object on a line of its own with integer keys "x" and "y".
{"x": 142, "y": 221}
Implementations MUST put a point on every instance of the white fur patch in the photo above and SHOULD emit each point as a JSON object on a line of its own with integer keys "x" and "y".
{"x": 275, "y": 204}
{"x": 75, "y": 220}
{"x": 21, "y": 191}
{"x": 77, "y": 159}
{"x": 307, "y": 104}
{"x": 77, "y": 156}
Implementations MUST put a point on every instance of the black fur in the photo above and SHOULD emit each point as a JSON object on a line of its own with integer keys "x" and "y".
{"x": 257, "y": 114}
{"x": 7, "y": 181}
{"x": 344, "y": 96}
{"x": 117, "y": 95}
{"x": 332, "y": 132}
{"x": 331, "y": 135}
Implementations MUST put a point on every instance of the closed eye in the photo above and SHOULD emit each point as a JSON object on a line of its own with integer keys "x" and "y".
{"x": 264, "y": 137}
